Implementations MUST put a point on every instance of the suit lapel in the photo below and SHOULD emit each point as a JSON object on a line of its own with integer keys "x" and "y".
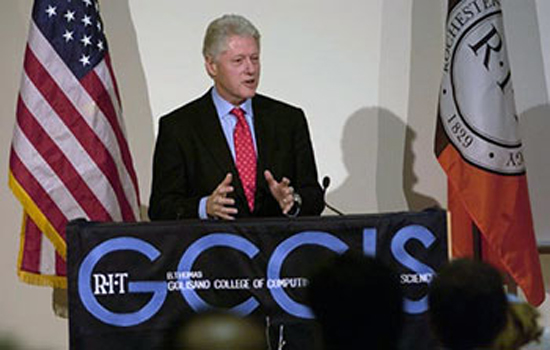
{"x": 265, "y": 143}
{"x": 211, "y": 133}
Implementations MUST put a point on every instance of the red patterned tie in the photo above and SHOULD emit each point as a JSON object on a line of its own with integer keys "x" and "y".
{"x": 245, "y": 156}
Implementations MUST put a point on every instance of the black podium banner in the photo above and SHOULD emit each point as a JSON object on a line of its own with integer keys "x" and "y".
{"x": 129, "y": 282}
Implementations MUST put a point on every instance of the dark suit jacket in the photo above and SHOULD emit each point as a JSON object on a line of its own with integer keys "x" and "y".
{"x": 192, "y": 157}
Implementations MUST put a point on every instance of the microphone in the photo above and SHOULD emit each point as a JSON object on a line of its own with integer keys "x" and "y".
{"x": 326, "y": 184}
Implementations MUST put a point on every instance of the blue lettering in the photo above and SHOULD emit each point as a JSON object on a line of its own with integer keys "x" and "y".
{"x": 369, "y": 241}
{"x": 196, "y": 249}
{"x": 95, "y": 308}
{"x": 400, "y": 253}
{"x": 280, "y": 254}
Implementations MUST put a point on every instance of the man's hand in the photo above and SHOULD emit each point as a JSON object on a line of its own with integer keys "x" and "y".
{"x": 218, "y": 205}
{"x": 281, "y": 191}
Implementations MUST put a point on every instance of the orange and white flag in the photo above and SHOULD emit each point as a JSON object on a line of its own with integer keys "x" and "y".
{"x": 478, "y": 146}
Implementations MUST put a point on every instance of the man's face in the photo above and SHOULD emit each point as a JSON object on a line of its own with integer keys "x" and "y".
{"x": 236, "y": 71}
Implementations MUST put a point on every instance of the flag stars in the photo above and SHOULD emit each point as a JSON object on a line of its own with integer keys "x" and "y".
{"x": 98, "y": 25}
{"x": 100, "y": 45}
{"x": 69, "y": 16}
{"x": 51, "y": 11}
{"x": 68, "y": 35}
{"x": 87, "y": 2}
{"x": 86, "y": 40}
{"x": 87, "y": 20}
{"x": 85, "y": 60}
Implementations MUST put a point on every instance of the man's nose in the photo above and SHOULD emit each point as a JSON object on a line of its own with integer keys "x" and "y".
{"x": 250, "y": 66}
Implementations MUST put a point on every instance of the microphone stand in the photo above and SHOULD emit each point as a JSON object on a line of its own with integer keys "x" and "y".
{"x": 326, "y": 184}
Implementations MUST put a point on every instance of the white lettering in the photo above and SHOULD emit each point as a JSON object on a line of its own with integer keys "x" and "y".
{"x": 297, "y": 282}
{"x": 100, "y": 282}
{"x": 416, "y": 278}
{"x": 110, "y": 283}
{"x": 232, "y": 284}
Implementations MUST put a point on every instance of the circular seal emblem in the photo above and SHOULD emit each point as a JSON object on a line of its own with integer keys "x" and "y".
{"x": 477, "y": 106}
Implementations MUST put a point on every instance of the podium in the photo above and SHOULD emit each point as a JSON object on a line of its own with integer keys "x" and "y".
{"x": 129, "y": 282}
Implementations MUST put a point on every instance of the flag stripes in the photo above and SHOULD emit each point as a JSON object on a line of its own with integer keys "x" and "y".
{"x": 31, "y": 266}
{"x": 69, "y": 157}
{"x": 89, "y": 185}
{"x": 72, "y": 95}
{"x": 74, "y": 121}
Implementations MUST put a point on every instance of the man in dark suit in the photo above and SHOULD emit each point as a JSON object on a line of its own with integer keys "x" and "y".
{"x": 234, "y": 153}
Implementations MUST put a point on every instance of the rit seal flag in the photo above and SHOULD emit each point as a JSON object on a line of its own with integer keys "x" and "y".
{"x": 479, "y": 147}
{"x": 477, "y": 105}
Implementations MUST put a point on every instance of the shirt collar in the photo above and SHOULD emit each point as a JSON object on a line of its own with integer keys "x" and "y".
{"x": 224, "y": 108}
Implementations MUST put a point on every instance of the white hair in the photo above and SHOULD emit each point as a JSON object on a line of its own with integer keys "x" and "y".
{"x": 221, "y": 29}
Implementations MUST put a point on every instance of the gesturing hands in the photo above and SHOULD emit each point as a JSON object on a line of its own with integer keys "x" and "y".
{"x": 218, "y": 205}
{"x": 281, "y": 191}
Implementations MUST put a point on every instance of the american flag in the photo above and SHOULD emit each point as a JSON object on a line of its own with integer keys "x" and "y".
{"x": 69, "y": 156}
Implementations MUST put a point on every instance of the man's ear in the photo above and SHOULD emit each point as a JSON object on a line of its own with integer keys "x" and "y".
{"x": 211, "y": 66}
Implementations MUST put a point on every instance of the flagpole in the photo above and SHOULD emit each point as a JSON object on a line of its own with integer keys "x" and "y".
{"x": 449, "y": 236}
{"x": 476, "y": 243}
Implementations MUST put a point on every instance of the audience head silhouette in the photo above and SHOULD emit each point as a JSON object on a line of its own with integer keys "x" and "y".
{"x": 467, "y": 303}
{"x": 216, "y": 330}
{"x": 358, "y": 302}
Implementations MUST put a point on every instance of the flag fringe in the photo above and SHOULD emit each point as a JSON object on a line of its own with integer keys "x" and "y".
{"x": 41, "y": 221}
{"x": 42, "y": 280}
{"x": 31, "y": 277}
